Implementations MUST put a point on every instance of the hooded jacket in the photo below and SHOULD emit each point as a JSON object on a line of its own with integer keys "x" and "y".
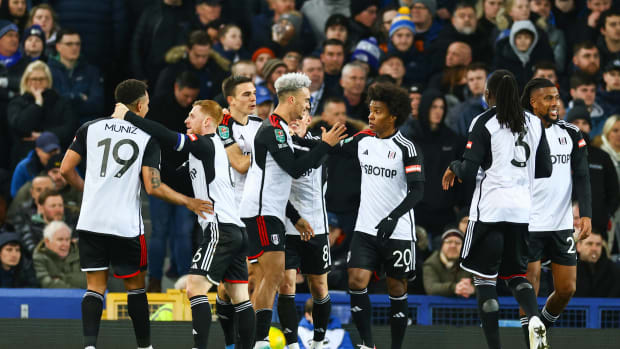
{"x": 517, "y": 28}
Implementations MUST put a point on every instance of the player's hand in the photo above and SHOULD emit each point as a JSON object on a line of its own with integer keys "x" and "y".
{"x": 305, "y": 230}
{"x": 585, "y": 228}
{"x": 119, "y": 111}
{"x": 386, "y": 227}
{"x": 199, "y": 207}
{"x": 334, "y": 135}
{"x": 448, "y": 179}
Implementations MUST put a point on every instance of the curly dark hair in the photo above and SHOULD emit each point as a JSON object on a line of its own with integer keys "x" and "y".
{"x": 395, "y": 98}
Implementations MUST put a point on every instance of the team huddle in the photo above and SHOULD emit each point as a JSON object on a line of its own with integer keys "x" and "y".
{"x": 259, "y": 197}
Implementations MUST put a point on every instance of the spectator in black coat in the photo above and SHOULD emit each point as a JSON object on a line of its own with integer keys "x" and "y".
{"x": 161, "y": 27}
{"x": 333, "y": 56}
{"x": 16, "y": 270}
{"x": 16, "y": 12}
{"x": 609, "y": 41}
{"x": 353, "y": 83}
{"x": 597, "y": 276}
{"x": 417, "y": 65}
{"x": 440, "y": 147}
{"x": 460, "y": 116}
{"x": 44, "y": 16}
{"x": 39, "y": 108}
{"x": 452, "y": 81}
{"x": 363, "y": 16}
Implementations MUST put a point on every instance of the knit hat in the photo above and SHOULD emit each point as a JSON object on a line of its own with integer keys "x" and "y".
{"x": 35, "y": 30}
{"x": 7, "y": 26}
{"x": 578, "y": 111}
{"x": 368, "y": 51}
{"x": 271, "y": 65}
{"x": 260, "y": 51}
{"x": 431, "y": 5}
{"x": 358, "y": 6}
{"x": 451, "y": 232}
{"x": 401, "y": 21}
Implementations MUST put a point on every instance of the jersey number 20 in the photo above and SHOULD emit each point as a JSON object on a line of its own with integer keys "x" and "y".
{"x": 126, "y": 163}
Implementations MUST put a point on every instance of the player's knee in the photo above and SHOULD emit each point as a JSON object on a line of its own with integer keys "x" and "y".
{"x": 356, "y": 282}
{"x": 196, "y": 285}
{"x": 490, "y": 305}
{"x": 287, "y": 287}
{"x": 519, "y": 284}
{"x": 566, "y": 291}
{"x": 318, "y": 289}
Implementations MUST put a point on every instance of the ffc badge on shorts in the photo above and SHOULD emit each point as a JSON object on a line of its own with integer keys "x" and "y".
{"x": 275, "y": 238}
{"x": 223, "y": 132}
{"x": 280, "y": 137}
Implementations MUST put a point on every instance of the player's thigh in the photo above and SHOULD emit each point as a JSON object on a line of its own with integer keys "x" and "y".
{"x": 197, "y": 285}
{"x": 564, "y": 279}
{"x": 398, "y": 258}
{"x": 128, "y": 257}
{"x": 562, "y": 249}
{"x": 515, "y": 253}
{"x": 315, "y": 255}
{"x": 481, "y": 253}
{"x": 292, "y": 252}
{"x": 94, "y": 251}
{"x": 533, "y": 274}
{"x": 265, "y": 234}
{"x": 220, "y": 251}
{"x": 537, "y": 241}
{"x": 238, "y": 292}
{"x": 363, "y": 252}
{"x": 272, "y": 263}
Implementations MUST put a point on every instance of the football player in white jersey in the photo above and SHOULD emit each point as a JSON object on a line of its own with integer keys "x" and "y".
{"x": 110, "y": 226}
{"x": 221, "y": 255}
{"x": 551, "y": 221}
{"x": 307, "y": 245}
{"x": 509, "y": 146}
{"x": 237, "y": 131}
{"x": 392, "y": 183}
{"x": 263, "y": 209}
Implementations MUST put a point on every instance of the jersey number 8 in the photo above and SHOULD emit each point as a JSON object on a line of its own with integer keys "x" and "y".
{"x": 126, "y": 163}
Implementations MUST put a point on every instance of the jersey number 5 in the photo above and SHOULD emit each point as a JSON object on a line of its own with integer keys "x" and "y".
{"x": 126, "y": 163}
{"x": 521, "y": 157}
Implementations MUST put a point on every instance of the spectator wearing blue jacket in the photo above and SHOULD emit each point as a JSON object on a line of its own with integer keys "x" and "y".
{"x": 608, "y": 97}
{"x": 74, "y": 78}
{"x": 402, "y": 36}
{"x": 45, "y": 146}
{"x": 335, "y": 337}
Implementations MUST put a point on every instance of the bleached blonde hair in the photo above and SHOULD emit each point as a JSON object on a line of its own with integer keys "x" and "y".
{"x": 291, "y": 82}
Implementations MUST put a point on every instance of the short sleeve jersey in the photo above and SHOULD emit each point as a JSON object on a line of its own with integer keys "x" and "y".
{"x": 387, "y": 165}
{"x": 268, "y": 186}
{"x": 232, "y": 132}
{"x": 115, "y": 152}
{"x": 503, "y": 191}
{"x": 308, "y": 196}
{"x": 551, "y": 199}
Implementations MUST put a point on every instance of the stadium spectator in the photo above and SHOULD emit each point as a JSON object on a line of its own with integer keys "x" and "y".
{"x": 76, "y": 79}
{"x": 402, "y": 34}
{"x": 452, "y": 80}
{"x": 230, "y": 44}
{"x": 603, "y": 178}
{"x": 415, "y": 95}
{"x": 583, "y": 87}
{"x": 313, "y": 68}
{"x": 610, "y": 140}
{"x": 332, "y": 56}
{"x": 609, "y": 41}
{"x": 427, "y": 28}
{"x": 172, "y": 225}
{"x": 367, "y": 53}
{"x": 461, "y": 115}
{"x": 39, "y": 108}
{"x": 336, "y": 27}
{"x": 272, "y": 70}
{"x": 33, "y": 47}
{"x": 46, "y": 145}
{"x": 264, "y": 102}
{"x": 383, "y": 23}
{"x": 608, "y": 97}
{"x": 556, "y": 37}
{"x": 292, "y": 60}
{"x": 9, "y": 84}
{"x": 244, "y": 67}
{"x": 260, "y": 57}
{"x": 267, "y": 29}
{"x": 586, "y": 25}
{"x": 335, "y": 336}
{"x": 487, "y": 11}
{"x": 57, "y": 260}
{"x": 9, "y": 45}
{"x": 318, "y": 13}
{"x": 50, "y": 207}
{"x": 16, "y": 12}
{"x": 44, "y": 16}
{"x": 597, "y": 276}
{"x": 586, "y": 59}
{"x": 547, "y": 70}
{"x": 161, "y": 26}
{"x": 353, "y": 83}
{"x": 207, "y": 15}
{"x": 21, "y": 210}
{"x": 16, "y": 270}
{"x": 393, "y": 66}
{"x": 363, "y": 16}
{"x": 443, "y": 275}
{"x": 195, "y": 58}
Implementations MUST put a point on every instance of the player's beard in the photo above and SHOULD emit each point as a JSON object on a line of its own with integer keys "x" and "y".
{"x": 548, "y": 118}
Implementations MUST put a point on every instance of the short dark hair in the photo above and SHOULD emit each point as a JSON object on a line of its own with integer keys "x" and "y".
{"x": 65, "y": 31}
{"x": 613, "y": 11}
{"x": 478, "y": 66}
{"x": 464, "y": 4}
{"x": 580, "y": 79}
{"x": 395, "y": 98}
{"x": 530, "y": 87}
{"x": 333, "y": 42}
{"x": 198, "y": 37}
{"x": 333, "y": 99}
{"x": 544, "y": 65}
{"x": 130, "y": 91}
{"x": 588, "y": 45}
{"x": 230, "y": 84}
{"x": 187, "y": 80}
{"x": 303, "y": 59}
{"x": 46, "y": 194}
{"x": 383, "y": 78}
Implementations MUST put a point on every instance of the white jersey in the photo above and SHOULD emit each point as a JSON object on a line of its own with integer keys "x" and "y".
{"x": 115, "y": 151}
{"x": 232, "y": 132}
{"x": 308, "y": 196}
{"x": 551, "y": 199}
{"x": 387, "y": 166}
{"x": 503, "y": 194}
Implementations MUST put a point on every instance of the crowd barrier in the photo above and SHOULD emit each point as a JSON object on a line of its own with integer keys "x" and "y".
{"x": 423, "y": 310}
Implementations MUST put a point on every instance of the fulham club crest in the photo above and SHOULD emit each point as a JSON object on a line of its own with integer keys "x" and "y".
{"x": 275, "y": 239}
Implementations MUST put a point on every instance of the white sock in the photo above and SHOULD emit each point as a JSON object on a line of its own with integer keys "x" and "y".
{"x": 293, "y": 346}
{"x": 261, "y": 345}
{"x": 316, "y": 345}
{"x": 90, "y": 347}
{"x": 149, "y": 347}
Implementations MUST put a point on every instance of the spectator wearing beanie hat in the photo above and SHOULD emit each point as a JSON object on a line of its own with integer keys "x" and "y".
{"x": 9, "y": 44}
{"x": 260, "y": 57}
{"x": 363, "y": 16}
{"x": 367, "y": 51}
{"x": 10, "y": 71}
{"x": 34, "y": 49}
{"x": 402, "y": 34}
{"x": 272, "y": 70}
{"x": 443, "y": 275}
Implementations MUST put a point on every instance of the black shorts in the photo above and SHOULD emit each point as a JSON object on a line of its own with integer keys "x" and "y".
{"x": 395, "y": 257}
{"x": 127, "y": 256}
{"x": 556, "y": 246}
{"x": 265, "y": 234}
{"x": 221, "y": 254}
{"x": 495, "y": 249}
{"x": 310, "y": 257}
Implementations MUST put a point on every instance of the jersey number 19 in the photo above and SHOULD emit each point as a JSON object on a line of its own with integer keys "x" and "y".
{"x": 126, "y": 163}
